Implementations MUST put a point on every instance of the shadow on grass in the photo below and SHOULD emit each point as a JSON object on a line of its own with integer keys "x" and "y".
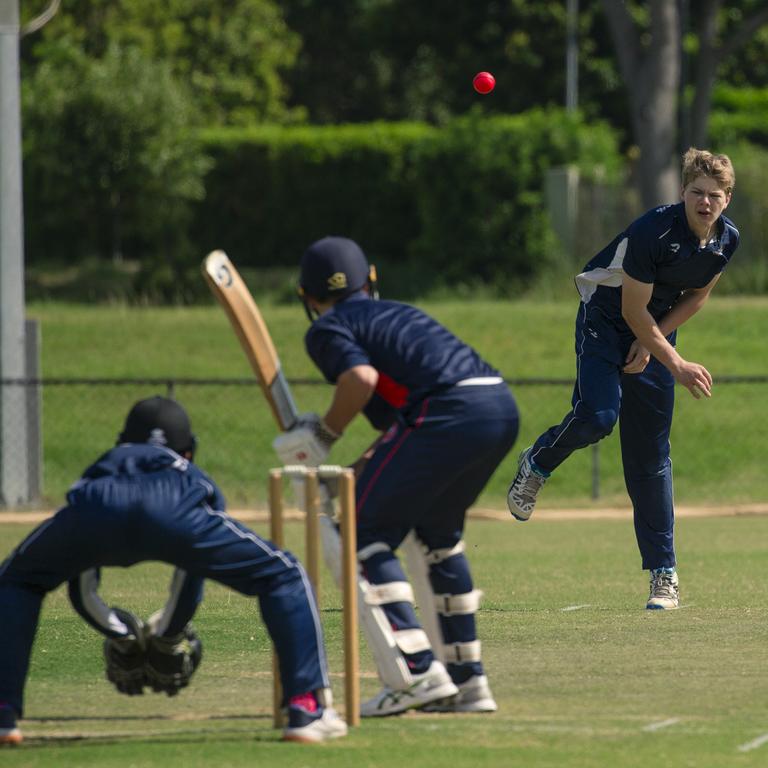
{"x": 181, "y": 735}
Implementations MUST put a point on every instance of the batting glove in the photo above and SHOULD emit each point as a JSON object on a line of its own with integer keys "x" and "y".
{"x": 308, "y": 443}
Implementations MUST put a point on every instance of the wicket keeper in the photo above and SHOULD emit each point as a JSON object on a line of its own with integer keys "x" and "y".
{"x": 145, "y": 500}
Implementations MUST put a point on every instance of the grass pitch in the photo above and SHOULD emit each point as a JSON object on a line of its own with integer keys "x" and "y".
{"x": 584, "y": 676}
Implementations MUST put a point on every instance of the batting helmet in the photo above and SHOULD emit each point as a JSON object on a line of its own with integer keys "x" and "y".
{"x": 333, "y": 268}
{"x": 159, "y": 421}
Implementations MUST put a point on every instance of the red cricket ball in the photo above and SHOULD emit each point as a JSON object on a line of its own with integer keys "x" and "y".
{"x": 484, "y": 82}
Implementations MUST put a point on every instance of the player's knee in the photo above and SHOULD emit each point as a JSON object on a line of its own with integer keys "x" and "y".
{"x": 599, "y": 424}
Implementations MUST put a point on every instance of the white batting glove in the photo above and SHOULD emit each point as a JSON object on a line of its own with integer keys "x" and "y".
{"x": 308, "y": 443}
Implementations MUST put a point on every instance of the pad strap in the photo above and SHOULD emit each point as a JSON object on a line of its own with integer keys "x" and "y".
{"x": 458, "y": 653}
{"x": 372, "y": 549}
{"x": 433, "y": 556}
{"x": 411, "y": 641}
{"x": 392, "y": 592}
{"x": 458, "y": 605}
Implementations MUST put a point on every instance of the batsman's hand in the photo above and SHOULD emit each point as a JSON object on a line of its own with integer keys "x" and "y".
{"x": 125, "y": 656}
{"x": 308, "y": 443}
{"x": 171, "y": 661}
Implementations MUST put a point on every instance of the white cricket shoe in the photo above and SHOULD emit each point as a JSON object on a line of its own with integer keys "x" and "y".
{"x": 474, "y": 696}
{"x": 428, "y": 686}
{"x": 306, "y": 728}
{"x": 665, "y": 591}
{"x": 521, "y": 497}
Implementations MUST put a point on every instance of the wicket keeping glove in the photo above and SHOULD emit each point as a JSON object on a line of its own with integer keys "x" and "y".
{"x": 171, "y": 661}
{"x": 308, "y": 443}
{"x": 125, "y": 656}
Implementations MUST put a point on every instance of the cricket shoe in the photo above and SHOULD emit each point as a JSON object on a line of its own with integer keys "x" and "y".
{"x": 665, "y": 592}
{"x": 474, "y": 696}
{"x": 521, "y": 497}
{"x": 313, "y": 727}
{"x": 9, "y": 730}
{"x": 432, "y": 685}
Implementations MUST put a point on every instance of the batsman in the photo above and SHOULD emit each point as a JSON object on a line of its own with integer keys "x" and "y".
{"x": 446, "y": 419}
{"x": 143, "y": 500}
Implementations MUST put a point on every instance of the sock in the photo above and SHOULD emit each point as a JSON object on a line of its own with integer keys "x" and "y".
{"x": 305, "y": 701}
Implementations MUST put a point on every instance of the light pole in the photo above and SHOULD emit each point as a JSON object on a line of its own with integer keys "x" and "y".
{"x": 572, "y": 56}
{"x": 14, "y": 485}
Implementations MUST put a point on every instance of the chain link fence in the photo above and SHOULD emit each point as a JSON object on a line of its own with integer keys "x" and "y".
{"x": 717, "y": 445}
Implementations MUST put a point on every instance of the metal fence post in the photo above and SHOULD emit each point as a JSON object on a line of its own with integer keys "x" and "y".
{"x": 595, "y": 471}
{"x": 34, "y": 403}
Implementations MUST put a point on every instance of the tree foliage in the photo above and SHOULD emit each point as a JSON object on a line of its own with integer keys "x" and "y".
{"x": 110, "y": 164}
{"x": 231, "y": 55}
{"x": 112, "y": 89}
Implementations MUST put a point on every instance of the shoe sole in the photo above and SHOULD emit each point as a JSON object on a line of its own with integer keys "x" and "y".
{"x": 296, "y": 739}
{"x": 485, "y": 706}
{"x": 11, "y": 739}
{"x": 517, "y": 513}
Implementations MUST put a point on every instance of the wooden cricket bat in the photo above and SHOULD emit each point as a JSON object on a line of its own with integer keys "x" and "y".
{"x": 229, "y": 288}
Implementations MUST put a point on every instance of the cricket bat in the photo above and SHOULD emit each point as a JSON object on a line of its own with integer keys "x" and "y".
{"x": 233, "y": 295}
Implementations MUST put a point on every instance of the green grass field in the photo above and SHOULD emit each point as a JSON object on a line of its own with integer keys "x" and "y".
{"x": 717, "y": 444}
{"x": 584, "y": 677}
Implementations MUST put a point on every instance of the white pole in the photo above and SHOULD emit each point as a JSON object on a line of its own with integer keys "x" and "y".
{"x": 13, "y": 424}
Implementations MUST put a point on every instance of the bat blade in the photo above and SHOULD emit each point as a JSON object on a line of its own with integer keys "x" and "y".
{"x": 232, "y": 293}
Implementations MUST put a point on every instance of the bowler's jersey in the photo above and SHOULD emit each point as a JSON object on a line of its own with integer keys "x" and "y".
{"x": 657, "y": 248}
{"x": 414, "y": 355}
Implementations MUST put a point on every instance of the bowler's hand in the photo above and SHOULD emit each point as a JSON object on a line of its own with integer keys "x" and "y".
{"x": 695, "y": 378}
{"x": 637, "y": 358}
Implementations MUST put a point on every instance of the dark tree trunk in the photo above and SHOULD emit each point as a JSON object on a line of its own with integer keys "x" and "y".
{"x": 652, "y": 74}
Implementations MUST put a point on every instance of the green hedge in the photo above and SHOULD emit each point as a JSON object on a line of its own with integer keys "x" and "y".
{"x": 459, "y": 204}
{"x": 434, "y": 207}
{"x": 480, "y": 193}
{"x": 274, "y": 189}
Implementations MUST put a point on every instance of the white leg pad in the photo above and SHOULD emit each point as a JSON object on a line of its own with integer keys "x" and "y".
{"x": 418, "y": 569}
{"x": 384, "y": 644}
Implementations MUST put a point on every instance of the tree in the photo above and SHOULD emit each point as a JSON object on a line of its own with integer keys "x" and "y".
{"x": 231, "y": 54}
{"x": 647, "y": 38}
{"x": 109, "y": 163}
{"x": 715, "y": 46}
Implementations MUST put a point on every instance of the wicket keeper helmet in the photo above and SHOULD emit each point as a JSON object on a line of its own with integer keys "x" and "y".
{"x": 334, "y": 268}
{"x": 159, "y": 421}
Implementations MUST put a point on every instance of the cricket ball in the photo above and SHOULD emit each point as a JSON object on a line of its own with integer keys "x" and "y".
{"x": 484, "y": 82}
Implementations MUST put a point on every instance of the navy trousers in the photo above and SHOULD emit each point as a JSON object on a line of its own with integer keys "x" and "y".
{"x": 205, "y": 543}
{"x": 643, "y": 405}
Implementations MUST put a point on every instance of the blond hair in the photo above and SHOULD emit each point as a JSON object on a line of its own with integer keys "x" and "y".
{"x": 699, "y": 162}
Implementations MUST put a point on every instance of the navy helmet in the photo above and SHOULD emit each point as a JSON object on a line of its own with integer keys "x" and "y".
{"x": 159, "y": 421}
{"x": 333, "y": 268}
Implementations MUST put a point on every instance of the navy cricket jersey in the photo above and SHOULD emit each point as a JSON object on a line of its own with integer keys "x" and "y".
{"x": 657, "y": 248}
{"x": 414, "y": 355}
{"x": 141, "y": 476}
